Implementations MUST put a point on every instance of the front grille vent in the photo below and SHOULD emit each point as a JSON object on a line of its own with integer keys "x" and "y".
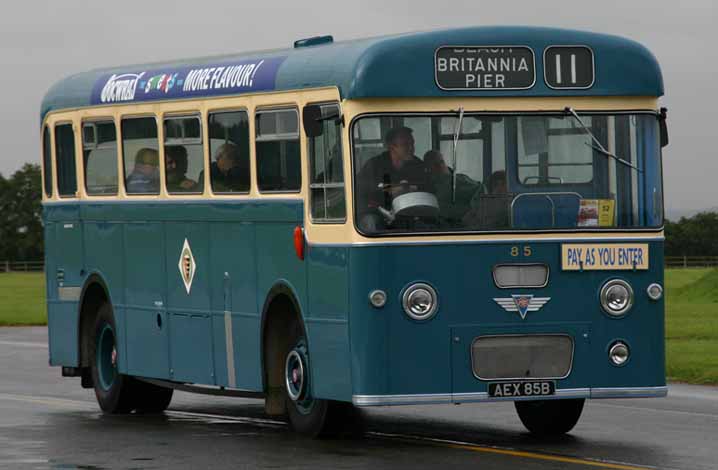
{"x": 522, "y": 357}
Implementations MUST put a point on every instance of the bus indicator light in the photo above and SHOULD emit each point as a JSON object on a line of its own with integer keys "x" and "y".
{"x": 299, "y": 242}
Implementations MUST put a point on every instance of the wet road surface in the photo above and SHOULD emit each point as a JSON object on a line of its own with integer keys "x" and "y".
{"x": 50, "y": 422}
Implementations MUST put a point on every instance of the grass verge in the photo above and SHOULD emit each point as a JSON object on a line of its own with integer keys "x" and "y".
{"x": 22, "y": 299}
{"x": 692, "y": 325}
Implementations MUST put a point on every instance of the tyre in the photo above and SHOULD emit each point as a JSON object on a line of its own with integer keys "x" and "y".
{"x": 115, "y": 392}
{"x": 549, "y": 417}
{"x": 151, "y": 398}
{"x": 308, "y": 415}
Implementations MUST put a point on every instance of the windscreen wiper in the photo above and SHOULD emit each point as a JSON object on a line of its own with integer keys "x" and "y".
{"x": 596, "y": 145}
{"x": 457, "y": 134}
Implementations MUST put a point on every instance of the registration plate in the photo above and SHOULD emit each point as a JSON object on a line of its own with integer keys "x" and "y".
{"x": 522, "y": 389}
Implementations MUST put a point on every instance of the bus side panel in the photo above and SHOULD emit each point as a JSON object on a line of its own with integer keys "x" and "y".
{"x": 189, "y": 318}
{"x": 107, "y": 263}
{"x": 233, "y": 290}
{"x": 50, "y": 282}
{"x": 327, "y": 318}
{"x": 63, "y": 310}
{"x": 147, "y": 323}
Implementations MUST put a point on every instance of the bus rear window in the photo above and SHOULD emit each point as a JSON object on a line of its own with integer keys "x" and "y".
{"x": 47, "y": 161}
{"x": 65, "y": 160}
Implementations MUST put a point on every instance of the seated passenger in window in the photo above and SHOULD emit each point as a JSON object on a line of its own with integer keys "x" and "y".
{"x": 387, "y": 175}
{"x": 145, "y": 176}
{"x": 227, "y": 171}
{"x": 176, "y": 169}
{"x": 494, "y": 208}
{"x": 452, "y": 206}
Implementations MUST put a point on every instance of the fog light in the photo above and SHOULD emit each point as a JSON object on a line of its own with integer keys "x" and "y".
{"x": 618, "y": 354}
{"x": 377, "y": 298}
{"x": 655, "y": 291}
{"x": 419, "y": 301}
{"x": 616, "y": 297}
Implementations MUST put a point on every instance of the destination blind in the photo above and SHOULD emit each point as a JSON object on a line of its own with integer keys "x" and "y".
{"x": 485, "y": 68}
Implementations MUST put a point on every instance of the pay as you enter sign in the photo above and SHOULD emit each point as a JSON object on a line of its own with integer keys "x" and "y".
{"x": 608, "y": 256}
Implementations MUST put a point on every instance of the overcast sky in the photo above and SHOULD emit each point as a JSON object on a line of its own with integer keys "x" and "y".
{"x": 42, "y": 41}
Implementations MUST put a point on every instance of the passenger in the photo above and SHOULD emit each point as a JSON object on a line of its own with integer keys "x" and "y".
{"x": 497, "y": 183}
{"x": 226, "y": 172}
{"x": 496, "y": 207}
{"x": 452, "y": 205}
{"x": 391, "y": 173}
{"x": 176, "y": 169}
{"x": 145, "y": 176}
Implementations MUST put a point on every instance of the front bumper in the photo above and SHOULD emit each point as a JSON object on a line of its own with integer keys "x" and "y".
{"x": 479, "y": 397}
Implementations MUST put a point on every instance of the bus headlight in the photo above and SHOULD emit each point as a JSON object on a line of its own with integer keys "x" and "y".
{"x": 655, "y": 291}
{"x": 616, "y": 297}
{"x": 419, "y": 301}
{"x": 619, "y": 353}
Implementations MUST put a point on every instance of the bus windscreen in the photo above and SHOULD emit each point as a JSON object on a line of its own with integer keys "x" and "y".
{"x": 532, "y": 172}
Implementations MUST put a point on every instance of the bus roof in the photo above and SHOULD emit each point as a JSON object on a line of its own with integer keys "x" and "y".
{"x": 403, "y": 65}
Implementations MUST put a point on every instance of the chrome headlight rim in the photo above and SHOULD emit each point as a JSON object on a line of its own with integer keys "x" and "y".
{"x": 613, "y": 347}
{"x": 406, "y": 299}
{"x": 613, "y": 313}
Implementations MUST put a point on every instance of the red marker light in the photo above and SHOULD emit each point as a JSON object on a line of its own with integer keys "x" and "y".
{"x": 299, "y": 242}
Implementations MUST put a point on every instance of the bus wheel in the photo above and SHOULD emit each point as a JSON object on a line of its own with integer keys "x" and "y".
{"x": 549, "y": 417}
{"x": 307, "y": 415}
{"x": 151, "y": 398}
{"x": 114, "y": 391}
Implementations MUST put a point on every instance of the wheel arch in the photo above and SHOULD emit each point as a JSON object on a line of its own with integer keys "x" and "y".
{"x": 280, "y": 310}
{"x": 94, "y": 294}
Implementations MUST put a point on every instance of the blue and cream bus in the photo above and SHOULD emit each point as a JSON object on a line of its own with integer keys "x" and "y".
{"x": 457, "y": 216}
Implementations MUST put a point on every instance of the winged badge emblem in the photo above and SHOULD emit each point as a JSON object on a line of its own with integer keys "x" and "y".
{"x": 521, "y": 303}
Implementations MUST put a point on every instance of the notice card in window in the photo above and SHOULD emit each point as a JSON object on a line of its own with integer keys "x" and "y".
{"x": 596, "y": 213}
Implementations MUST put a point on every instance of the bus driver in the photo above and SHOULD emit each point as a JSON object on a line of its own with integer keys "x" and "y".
{"x": 393, "y": 172}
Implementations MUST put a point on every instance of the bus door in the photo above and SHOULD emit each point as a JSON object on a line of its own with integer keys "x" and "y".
{"x": 188, "y": 307}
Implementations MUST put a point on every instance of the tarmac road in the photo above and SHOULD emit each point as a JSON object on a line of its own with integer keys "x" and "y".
{"x": 49, "y": 422}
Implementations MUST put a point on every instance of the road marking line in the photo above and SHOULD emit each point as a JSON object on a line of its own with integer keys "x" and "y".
{"x": 407, "y": 438}
{"x": 511, "y": 452}
{"x": 660, "y": 410}
{"x": 26, "y": 344}
{"x": 239, "y": 419}
{"x": 62, "y": 402}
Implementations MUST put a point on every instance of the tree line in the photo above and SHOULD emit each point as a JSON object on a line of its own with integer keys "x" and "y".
{"x": 21, "y": 237}
{"x": 693, "y": 236}
{"x": 21, "y": 215}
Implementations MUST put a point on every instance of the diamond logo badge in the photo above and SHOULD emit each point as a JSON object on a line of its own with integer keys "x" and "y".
{"x": 187, "y": 266}
{"x": 522, "y": 303}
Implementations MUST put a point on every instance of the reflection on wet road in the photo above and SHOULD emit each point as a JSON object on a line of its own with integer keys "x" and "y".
{"x": 48, "y": 422}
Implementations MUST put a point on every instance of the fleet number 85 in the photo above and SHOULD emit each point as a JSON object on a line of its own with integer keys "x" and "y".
{"x": 516, "y": 251}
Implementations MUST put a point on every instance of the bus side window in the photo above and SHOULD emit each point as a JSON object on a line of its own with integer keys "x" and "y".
{"x": 47, "y": 161}
{"x": 140, "y": 155}
{"x": 99, "y": 146}
{"x": 277, "y": 149}
{"x": 65, "y": 160}
{"x": 326, "y": 183}
{"x": 184, "y": 160}
{"x": 229, "y": 152}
